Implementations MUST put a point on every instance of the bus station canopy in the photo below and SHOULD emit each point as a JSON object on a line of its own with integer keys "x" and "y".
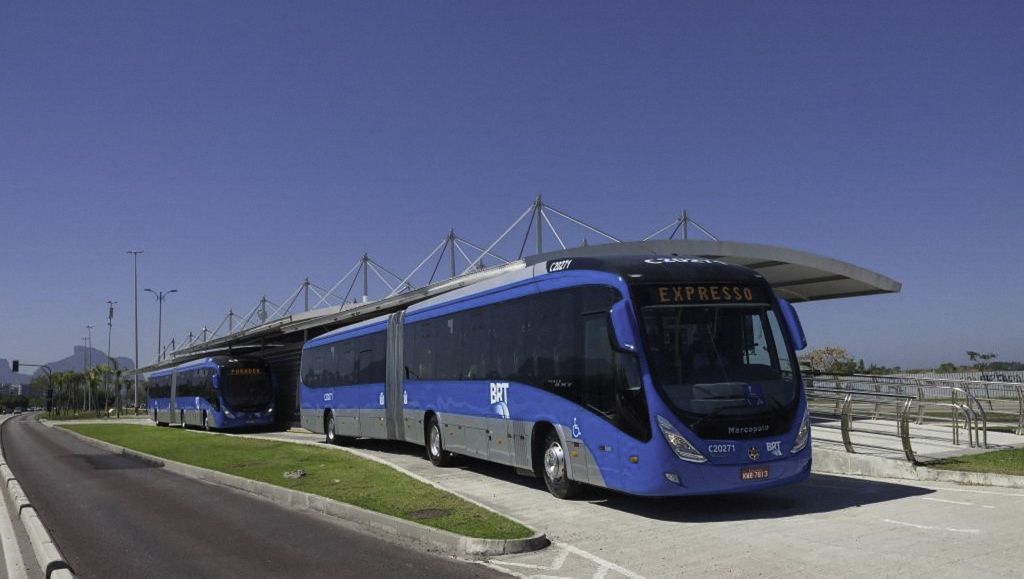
{"x": 796, "y": 276}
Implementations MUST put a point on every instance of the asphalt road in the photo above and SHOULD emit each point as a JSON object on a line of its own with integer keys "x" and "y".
{"x": 114, "y": 516}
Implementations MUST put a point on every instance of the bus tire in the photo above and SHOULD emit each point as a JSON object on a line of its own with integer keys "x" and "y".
{"x": 556, "y": 477}
{"x": 330, "y": 434}
{"x": 435, "y": 445}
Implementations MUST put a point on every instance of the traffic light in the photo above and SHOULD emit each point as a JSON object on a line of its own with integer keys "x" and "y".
{"x": 14, "y": 366}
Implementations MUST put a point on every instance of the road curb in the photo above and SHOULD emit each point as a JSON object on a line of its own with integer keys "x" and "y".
{"x": 437, "y": 540}
{"x": 371, "y": 457}
{"x": 844, "y": 463}
{"x": 48, "y": 555}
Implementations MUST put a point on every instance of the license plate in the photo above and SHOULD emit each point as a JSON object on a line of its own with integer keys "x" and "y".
{"x": 754, "y": 473}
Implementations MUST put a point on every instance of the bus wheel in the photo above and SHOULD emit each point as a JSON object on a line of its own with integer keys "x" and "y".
{"x": 329, "y": 430}
{"x": 435, "y": 445}
{"x": 555, "y": 476}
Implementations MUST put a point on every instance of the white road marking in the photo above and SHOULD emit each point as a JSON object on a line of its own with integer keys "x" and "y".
{"x": 601, "y": 562}
{"x": 931, "y": 528}
{"x": 603, "y": 566}
{"x": 555, "y": 565}
{"x": 980, "y": 492}
{"x": 966, "y": 504}
{"x": 948, "y": 502}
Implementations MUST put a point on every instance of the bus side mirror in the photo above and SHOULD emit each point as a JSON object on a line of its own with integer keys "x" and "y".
{"x": 622, "y": 327}
{"x": 793, "y": 324}
{"x": 15, "y": 365}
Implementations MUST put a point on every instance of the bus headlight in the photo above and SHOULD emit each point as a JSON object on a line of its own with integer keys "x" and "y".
{"x": 682, "y": 447}
{"x": 803, "y": 435}
{"x": 228, "y": 414}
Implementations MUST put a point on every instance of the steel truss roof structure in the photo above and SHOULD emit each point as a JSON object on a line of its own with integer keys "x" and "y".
{"x": 795, "y": 275}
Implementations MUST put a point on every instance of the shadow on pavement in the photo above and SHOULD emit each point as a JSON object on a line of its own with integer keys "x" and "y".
{"x": 820, "y": 493}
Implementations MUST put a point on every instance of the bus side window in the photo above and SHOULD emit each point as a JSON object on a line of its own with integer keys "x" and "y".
{"x": 447, "y": 346}
{"x": 424, "y": 368}
{"x": 209, "y": 393}
{"x": 479, "y": 361}
{"x": 364, "y": 360}
{"x": 346, "y": 373}
{"x": 598, "y": 365}
{"x": 378, "y": 368}
{"x": 410, "y": 352}
{"x": 317, "y": 369}
{"x": 183, "y": 383}
{"x": 306, "y": 368}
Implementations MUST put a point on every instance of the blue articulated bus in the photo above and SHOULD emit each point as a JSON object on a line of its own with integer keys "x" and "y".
{"x": 648, "y": 375}
{"x": 213, "y": 393}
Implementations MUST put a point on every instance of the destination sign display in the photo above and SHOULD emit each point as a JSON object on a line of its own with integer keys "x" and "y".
{"x": 245, "y": 371}
{"x": 693, "y": 293}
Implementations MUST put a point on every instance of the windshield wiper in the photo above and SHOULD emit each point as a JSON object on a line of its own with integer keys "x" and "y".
{"x": 716, "y": 412}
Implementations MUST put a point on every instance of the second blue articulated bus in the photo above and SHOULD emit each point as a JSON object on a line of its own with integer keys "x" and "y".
{"x": 648, "y": 375}
{"x": 213, "y": 393}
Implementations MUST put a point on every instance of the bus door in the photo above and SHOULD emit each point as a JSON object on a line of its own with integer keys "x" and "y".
{"x": 593, "y": 439}
{"x": 395, "y": 394}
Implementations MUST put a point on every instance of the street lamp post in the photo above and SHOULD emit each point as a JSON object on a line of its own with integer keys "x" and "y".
{"x": 88, "y": 346}
{"x": 106, "y": 377}
{"x": 160, "y": 297}
{"x": 135, "y": 362}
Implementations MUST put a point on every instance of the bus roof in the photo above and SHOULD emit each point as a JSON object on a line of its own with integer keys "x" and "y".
{"x": 631, "y": 268}
{"x": 199, "y": 363}
{"x": 335, "y": 335}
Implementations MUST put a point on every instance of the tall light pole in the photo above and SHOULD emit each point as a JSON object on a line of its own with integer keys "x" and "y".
{"x": 106, "y": 377}
{"x": 88, "y": 345}
{"x": 135, "y": 362}
{"x": 160, "y": 297}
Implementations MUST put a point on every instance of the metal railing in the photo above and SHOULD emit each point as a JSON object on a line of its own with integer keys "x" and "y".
{"x": 845, "y": 406}
{"x": 986, "y": 404}
{"x": 973, "y": 406}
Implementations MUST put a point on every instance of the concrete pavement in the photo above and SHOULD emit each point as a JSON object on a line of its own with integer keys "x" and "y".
{"x": 829, "y": 525}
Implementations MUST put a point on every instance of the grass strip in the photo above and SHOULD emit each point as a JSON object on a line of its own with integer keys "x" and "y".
{"x": 1009, "y": 461}
{"x": 89, "y": 415}
{"x": 329, "y": 473}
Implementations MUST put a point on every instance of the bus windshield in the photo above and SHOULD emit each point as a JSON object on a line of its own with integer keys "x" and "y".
{"x": 246, "y": 389}
{"x": 726, "y": 362}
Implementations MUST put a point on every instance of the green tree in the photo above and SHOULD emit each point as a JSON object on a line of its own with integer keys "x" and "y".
{"x": 830, "y": 360}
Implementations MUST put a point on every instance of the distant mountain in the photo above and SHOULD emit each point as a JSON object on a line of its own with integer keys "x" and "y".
{"x": 84, "y": 357}
{"x": 8, "y": 377}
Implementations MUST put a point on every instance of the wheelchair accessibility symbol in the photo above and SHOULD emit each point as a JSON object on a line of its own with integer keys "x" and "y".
{"x": 576, "y": 432}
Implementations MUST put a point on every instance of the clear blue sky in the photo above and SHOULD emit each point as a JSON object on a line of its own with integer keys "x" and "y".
{"x": 245, "y": 145}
